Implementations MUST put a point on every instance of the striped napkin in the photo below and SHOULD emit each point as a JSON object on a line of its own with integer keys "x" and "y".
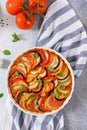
{"x": 62, "y": 31}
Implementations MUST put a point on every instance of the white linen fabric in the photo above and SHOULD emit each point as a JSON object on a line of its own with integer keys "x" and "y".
{"x": 62, "y": 31}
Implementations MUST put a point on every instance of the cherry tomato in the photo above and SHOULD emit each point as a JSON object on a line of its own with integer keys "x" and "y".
{"x": 14, "y": 6}
{"x": 38, "y": 6}
{"x": 24, "y": 20}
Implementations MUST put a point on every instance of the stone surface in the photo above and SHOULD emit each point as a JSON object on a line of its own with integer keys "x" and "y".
{"x": 75, "y": 113}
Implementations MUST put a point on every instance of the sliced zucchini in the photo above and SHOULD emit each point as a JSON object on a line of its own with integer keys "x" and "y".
{"x": 55, "y": 62}
{"x": 63, "y": 74}
{"x": 66, "y": 81}
{"x": 43, "y": 73}
{"x": 60, "y": 96}
{"x": 61, "y": 89}
{"x": 23, "y": 97}
{"x": 19, "y": 82}
{"x": 19, "y": 68}
{"x": 59, "y": 68}
{"x": 36, "y": 70}
{"x": 26, "y": 62}
{"x": 35, "y": 86}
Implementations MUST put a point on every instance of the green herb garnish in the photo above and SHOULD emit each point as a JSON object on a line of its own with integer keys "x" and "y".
{"x": 61, "y": 75}
{"x": 16, "y": 73}
{"x": 50, "y": 68}
{"x": 36, "y": 106}
{"x": 32, "y": 97}
{"x": 16, "y": 37}
{"x": 39, "y": 80}
{"x": 54, "y": 94}
{"x": 61, "y": 87}
{"x": 6, "y": 52}
{"x": 36, "y": 55}
{"x": 1, "y": 95}
{"x": 22, "y": 88}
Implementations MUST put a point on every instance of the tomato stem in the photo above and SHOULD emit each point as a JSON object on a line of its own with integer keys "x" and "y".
{"x": 40, "y": 14}
{"x": 25, "y": 6}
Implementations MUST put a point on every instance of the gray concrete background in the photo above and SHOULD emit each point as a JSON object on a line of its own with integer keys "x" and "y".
{"x": 75, "y": 113}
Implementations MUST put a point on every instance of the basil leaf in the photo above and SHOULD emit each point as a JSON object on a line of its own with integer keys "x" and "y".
{"x": 36, "y": 55}
{"x": 22, "y": 88}
{"x": 16, "y": 73}
{"x": 36, "y": 106}
{"x": 61, "y": 87}
{"x": 1, "y": 95}
{"x": 54, "y": 94}
{"x": 39, "y": 80}
{"x": 32, "y": 97}
{"x": 50, "y": 68}
{"x": 61, "y": 75}
{"x": 16, "y": 37}
{"x": 6, "y": 52}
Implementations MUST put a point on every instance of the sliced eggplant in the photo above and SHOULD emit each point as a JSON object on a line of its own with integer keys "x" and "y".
{"x": 60, "y": 96}
{"x": 17, "y": 89}
{"x": 61, "y": 90}
{"x": 59, "y": 68}
{"x": 64, "y": 73}
{"x": 40, "y": 102}
{"x": 31, "y": 104}
{"x": 55, "y": 62}
{"x": 66, "y": 81}
{"x": 52, "y": 104}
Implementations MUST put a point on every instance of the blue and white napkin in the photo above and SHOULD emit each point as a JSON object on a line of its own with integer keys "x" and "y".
{"x": 62, "y": 31}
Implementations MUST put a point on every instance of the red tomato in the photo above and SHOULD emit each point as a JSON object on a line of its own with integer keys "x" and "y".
{"x": 48, "y": 76}
{"x": 37, "y": 5}
{"x": 14, "y": 6}
{"x": 24, "y": 20}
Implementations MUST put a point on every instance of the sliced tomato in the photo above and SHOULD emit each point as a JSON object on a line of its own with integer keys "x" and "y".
{"x": 33, "y": 61}
{"x": 14, "y": 77}
{"x": 16, "y": 90}
{"x": 41, "y": 102}
{"x": 58, "y": 69}
{"x": 31, "y": 105}
{"x": 48, "y": 76}
{"x": 52, "y": 103}
{"x": 19, "y": 68}
{"x": 43, "y": 56}
{"x": 43, "y": 73}
{"x": 50, "y": 59}
{"x": 18, "y": 82}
